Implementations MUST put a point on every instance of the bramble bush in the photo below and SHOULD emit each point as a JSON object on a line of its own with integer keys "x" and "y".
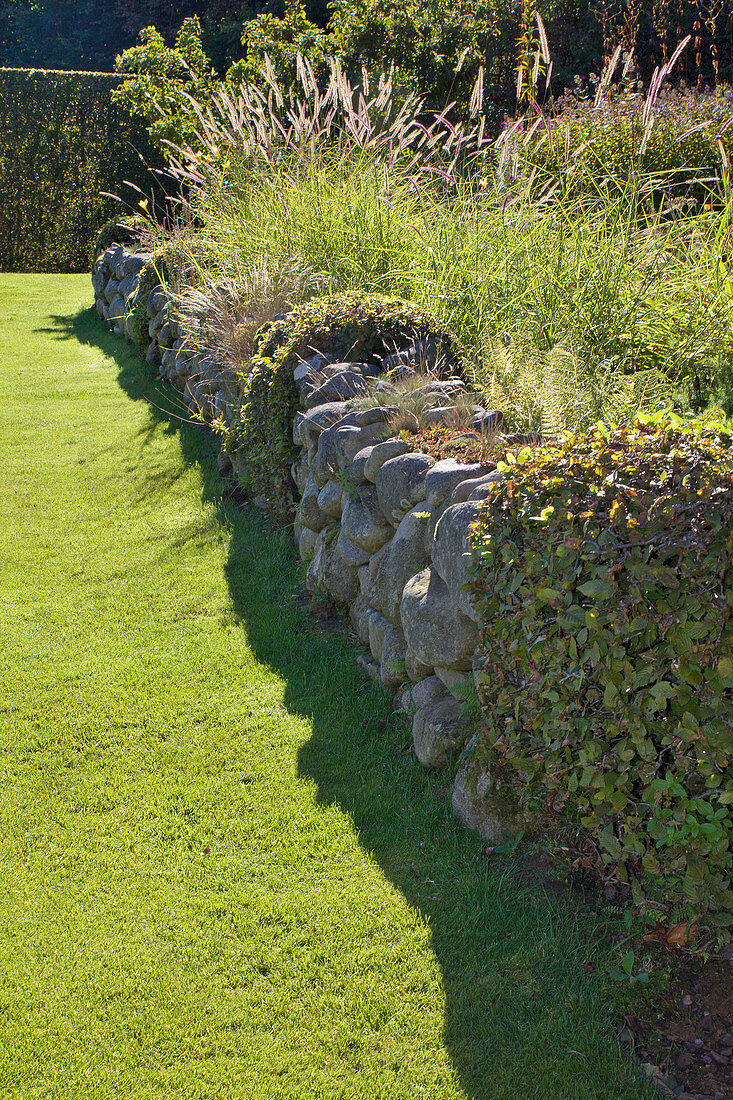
{"x": 604, "y": 580}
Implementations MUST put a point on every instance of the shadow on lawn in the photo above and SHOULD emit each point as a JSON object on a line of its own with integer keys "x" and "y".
{"x": 523, "y": 1017}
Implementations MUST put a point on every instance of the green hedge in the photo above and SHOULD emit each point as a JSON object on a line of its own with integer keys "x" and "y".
{"x": 62, "y": 142}
{"x": 604, "y": 578}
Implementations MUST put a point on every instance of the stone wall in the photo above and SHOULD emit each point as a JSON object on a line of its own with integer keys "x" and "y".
{"x": 381, "y": 528}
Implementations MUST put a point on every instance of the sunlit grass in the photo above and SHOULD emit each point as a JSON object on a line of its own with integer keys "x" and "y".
{"x": 223, "y": 873}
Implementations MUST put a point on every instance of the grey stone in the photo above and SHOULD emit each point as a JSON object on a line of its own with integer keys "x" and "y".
{"x": 400, "y": 483}
{"x": 371, "y": 669}
{"x": 451, "y": 553}
{"x": 425, "y": 693}
{"x": 522, "y": 439}
{"x": 405, "y": 555}
{"x": 362, "y": 520}
{"x": 380, "y": 454}
{"x": 336, "y": 448}
{"x": 481, "y": 492}
{"x": 117, "y": 309}
{"x": 307, "y": 426}
{"x": 118, "y": 264}
{"x": 445, "y": 475}
{"x": 330, "y": 499}
{"x": 457, "y": 683}
{"x": 379, "y": 414}
{"x": 157, "y": 299}
{"x": 436, "y": 631}
{"x": 415, "y": 668}
{"x": 375, "y": 560}
{"x": 99, "y": 279}
{"x": 111, "y": 290}
{"x": 464, "y": 489}
{"x": 431, "y": 353}
{"x": 156, "y": 323}
{"x": 167, "y": 359}
{"x": 306, "y": 543}
{"x": 134, "y": 263}
{"x": 127, "y": 286}
{"x": 300, "y": 471}
{"x": 473, "y": 805}
{"x": 309, "y": 511}
{"x": 309, "y": 367}
{"x": 339, "y": 388}
{"x": 438, "y": 730}
{"x": 165, "y": 338}
{"x": 356, "y": 469}
{"x": 489, "y": 421}
{"x": 432, "y": 418}
{"x": 388, "y": 649}
{"x": 152, "y": 355}
{"x": 351, "y": 554}
{"x": 350, "y": 440}
{"x": 378, "y": 627}
{"x": 446, "y": 388}
{"x": 328, "y": 571}
{"x": 392, "y": 664}
{"x": 359, "y": 616}
{"x": 366, "y": 585}
{"x": 367, "y": 370}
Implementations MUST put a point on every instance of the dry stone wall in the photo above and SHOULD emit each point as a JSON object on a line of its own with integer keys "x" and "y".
{"x": 380, "y": 527}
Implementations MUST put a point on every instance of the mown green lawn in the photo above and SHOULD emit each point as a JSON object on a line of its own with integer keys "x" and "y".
{"x": 222, "y": 873}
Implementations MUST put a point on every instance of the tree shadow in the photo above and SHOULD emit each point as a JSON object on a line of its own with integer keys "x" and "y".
{"x": 526, "y": 1012}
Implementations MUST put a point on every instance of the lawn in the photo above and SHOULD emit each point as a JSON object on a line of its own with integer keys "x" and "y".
{"x": 223, "y": 874}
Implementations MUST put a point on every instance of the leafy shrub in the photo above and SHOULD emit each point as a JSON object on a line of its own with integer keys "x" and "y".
{"x": 604, "y": 580}
{"x": 122, "y": 230}
{"x": 62, "y": 143}
{"x": 591, "y": 147}
{"x": 362, "y": 328}
{"x": 162, "y": 82}
{"x": 278, "y": 45}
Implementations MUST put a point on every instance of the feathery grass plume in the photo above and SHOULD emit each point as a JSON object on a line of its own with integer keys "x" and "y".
{"x": 360, "y": 192}
{"x": 225, "y": 315}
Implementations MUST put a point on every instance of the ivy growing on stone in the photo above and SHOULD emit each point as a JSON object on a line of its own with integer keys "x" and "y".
{"x": 349, "y": 326}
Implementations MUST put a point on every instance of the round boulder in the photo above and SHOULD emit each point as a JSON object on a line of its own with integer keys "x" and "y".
{"x": 401, "y": 484}
{"x": 436, "y": 631}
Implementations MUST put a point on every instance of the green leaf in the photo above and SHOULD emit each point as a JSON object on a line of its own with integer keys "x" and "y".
{"x": 610, "y": 695}
{"x": 597, "y": 589}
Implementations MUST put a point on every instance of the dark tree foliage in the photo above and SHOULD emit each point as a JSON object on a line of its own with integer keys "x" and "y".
{"x": 84, "y": 34}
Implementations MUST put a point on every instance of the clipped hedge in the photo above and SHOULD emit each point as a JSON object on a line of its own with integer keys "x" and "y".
{"x": 62, "y": 142}
{"x": 604, "y": 578}
{"x": 359, "y": 327}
